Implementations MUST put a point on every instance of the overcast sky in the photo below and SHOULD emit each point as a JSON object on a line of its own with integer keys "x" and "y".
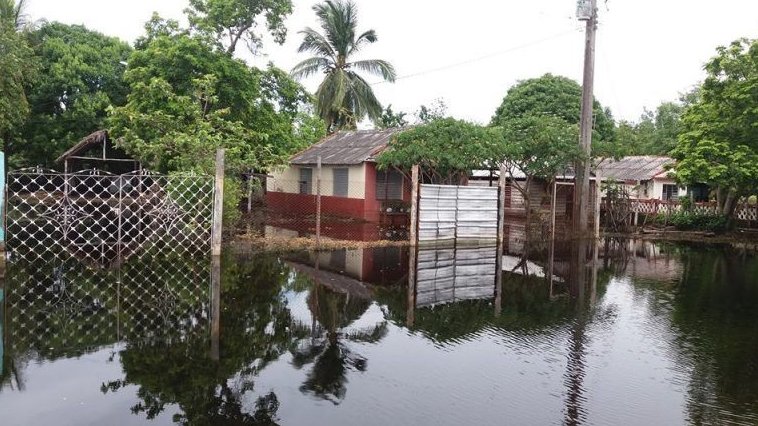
{"x": 469, "y": 53}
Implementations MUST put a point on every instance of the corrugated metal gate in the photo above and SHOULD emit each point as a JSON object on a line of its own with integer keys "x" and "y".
{"x": 457, "y": 213}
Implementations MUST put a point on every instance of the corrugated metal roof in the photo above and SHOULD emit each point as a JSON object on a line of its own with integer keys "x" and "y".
{"x": 635, "y": 167}
{"x": 345, "y": 148}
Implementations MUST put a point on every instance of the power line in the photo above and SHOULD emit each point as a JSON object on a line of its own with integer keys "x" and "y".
{"x": 480, "y": 58}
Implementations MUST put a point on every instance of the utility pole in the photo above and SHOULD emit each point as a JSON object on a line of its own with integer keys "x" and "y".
{"x": 586, "y": 11}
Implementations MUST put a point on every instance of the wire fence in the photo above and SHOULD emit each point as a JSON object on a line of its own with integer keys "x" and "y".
{"x": 95, "y": 257}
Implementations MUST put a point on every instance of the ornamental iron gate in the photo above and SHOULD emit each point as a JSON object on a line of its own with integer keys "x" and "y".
{"x": 94, "y": 257}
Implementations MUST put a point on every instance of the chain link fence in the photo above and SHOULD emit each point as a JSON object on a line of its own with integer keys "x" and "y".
{"x": 94, "y": 258}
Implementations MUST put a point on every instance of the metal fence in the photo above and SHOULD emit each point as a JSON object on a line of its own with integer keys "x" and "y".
{"x": 103, "y": 219}
{"x": 448, "y": 212}
{"x": 95, "y": 257}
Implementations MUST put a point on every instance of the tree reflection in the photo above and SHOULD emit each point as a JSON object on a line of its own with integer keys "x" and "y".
{"x": 256, "y": 328}
{"x": 328, "y": 349}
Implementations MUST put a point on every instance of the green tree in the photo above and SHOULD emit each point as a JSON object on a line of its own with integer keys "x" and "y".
{"x": 437, "y": 110}
{"x": 555, "y": 96}
{"x": 189, "y": 98}
{"x": 719, "y": 142}
{"x": 344, "y": 97}
{"x": 232, "y": 21}
{"x": 17, "y": 67}
{"x": 538, "y": 146}
{"x": 655, "y": 133}
{"x": 446, "y": 150}
{"x": 80, "y": 77}
{"x": 391, "y": 119}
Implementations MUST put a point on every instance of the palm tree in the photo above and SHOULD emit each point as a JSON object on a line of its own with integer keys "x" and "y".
{"x": 344, "y": 97}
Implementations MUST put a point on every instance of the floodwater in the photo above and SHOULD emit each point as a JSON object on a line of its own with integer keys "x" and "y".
{"x": 656, "y": 334}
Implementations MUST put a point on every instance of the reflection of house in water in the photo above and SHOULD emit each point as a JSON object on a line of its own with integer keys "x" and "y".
{"x": 650, "y": 261}
{"x": 376, "y": 265}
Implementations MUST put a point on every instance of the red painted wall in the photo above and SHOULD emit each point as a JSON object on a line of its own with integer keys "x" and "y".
{"x": 367, "y": 208}
{"x": 305, "y": 204}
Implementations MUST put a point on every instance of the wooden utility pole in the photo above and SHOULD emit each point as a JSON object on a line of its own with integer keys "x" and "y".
{"x": 582, "y": 182}
{"x": 218, "y": 205}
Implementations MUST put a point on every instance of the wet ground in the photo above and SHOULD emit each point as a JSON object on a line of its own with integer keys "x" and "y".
{"x": 653, "y": 334}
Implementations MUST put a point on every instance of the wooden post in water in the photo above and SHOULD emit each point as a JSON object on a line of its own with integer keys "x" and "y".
{"x": 598, "y": 202}
{"x": 318, "y": 202}
{"x": 413, "y": 248}
{"x": 218, "y": 205}
{"x": 215, "y": 306}
{"x": 551, "y": 251}
{"x": 500, "y": 237}
{"x": 413, "y": 230}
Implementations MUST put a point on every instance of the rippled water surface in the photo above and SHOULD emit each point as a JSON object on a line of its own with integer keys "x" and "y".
{"x": 656, "y": 334}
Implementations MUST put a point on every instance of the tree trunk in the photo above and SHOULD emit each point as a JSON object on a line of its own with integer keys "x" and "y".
{"x": 730, "y": 203}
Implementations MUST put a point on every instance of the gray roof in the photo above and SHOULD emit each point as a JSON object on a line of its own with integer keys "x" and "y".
{"x": 637, "y": 168}
{"x": 96, "y": 138}
{"x": 346, "y": 148}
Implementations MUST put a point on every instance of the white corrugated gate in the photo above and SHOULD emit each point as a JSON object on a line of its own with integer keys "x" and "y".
{"x": 457, "y": 213}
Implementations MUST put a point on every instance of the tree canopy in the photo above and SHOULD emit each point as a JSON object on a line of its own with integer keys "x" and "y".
{"x": 80, "y": 77}
{"x": 17, "y": 68}
{"x": 231, "y": 21}
{"x": 188, "y": 98}
{"x": 344, "y": 97}
{"x": 446, "y": 149}
{"x": 656, "y": 132}
{"x": 553, "y": 96}
{"x": 719, "y": 142}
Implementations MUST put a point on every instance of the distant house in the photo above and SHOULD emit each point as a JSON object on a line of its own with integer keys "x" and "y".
{"x": 646, "y": 177}
{"x": 351, "y": 185}
{"x": 98, "y": 151}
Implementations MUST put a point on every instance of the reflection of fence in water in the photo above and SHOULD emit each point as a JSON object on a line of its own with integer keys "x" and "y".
{"x": 455, "y": 273}
{"x": 57, "y": 307}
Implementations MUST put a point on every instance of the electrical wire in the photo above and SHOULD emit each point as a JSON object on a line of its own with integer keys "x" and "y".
{"x": 480, "y": 58}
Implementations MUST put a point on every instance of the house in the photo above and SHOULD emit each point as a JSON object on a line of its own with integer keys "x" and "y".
{"x": 351, "y": 184}
{"x": 645, "y": 177}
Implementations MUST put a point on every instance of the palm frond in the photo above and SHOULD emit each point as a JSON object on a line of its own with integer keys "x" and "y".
{"x": 376, "y": 67}
{"x": 314, "y": 42}
{"x": 364, "y": 98}
{"x": 338, "y": 19}
{"x": 330, "y": 94}
{"x": 367, "y": 37}
{"x": 310, "y": 66}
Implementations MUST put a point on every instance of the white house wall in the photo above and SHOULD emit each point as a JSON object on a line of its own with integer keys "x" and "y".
{"x": 287, "y": 180}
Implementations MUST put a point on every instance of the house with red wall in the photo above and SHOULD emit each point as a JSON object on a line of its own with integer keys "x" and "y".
{"x": 351, "y": 186}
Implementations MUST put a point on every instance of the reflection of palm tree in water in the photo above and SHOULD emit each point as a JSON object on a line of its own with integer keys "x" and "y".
{"x": 333, "y": 313}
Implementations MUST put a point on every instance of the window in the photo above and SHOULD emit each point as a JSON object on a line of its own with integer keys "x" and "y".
{"x": 389, "y": 185}
{"x": 306, "y": 181}
{"x": 670, "y": 192}
{"x": 340, "y": 182}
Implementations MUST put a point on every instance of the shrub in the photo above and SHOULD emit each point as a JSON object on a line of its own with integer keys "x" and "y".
{"x": 688, "y": 221}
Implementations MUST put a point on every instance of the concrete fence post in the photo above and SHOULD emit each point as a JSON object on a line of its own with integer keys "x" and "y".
{"x": 218, "y": 205}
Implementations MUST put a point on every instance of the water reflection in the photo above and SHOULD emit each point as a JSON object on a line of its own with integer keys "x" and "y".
{"x": 310, "y": 338}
